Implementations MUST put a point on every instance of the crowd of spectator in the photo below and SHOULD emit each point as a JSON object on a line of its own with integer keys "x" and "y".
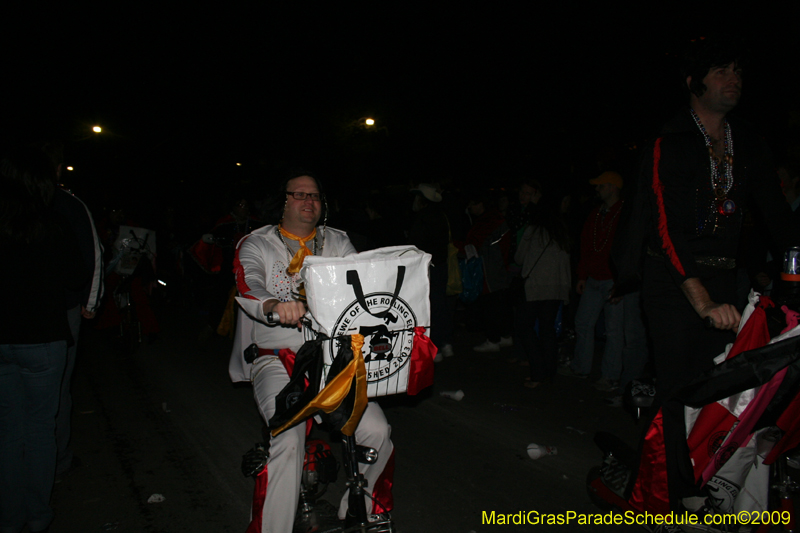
{"x": 545, "y": 253}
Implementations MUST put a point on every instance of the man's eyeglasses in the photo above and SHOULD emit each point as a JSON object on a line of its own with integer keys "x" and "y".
{"x": 300, "y": 196}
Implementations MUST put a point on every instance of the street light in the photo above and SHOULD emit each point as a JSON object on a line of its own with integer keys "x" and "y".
{"x": 70, "y": 168}
{"x": 364, "y": 125}
{"x": 97, "y": 129}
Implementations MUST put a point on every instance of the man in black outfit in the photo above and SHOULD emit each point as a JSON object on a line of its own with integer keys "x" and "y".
{"x": 80, "y": 304}
{"x": 704, "y": 170}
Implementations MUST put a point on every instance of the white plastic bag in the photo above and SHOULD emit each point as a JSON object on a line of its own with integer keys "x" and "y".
{"x": 133, "y": 245}
{"x": 382, "y": 294}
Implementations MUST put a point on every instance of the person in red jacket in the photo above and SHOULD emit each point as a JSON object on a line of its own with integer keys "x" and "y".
{"x": 595, "y": 281}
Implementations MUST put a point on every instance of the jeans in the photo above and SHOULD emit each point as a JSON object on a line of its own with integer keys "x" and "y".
{"x": 541, "y": 350}
{"x": 30, "y": 382}
{"x": 64, "y": 416}
{"x": 594, "y": 301}
{"x": 497, "y": 314}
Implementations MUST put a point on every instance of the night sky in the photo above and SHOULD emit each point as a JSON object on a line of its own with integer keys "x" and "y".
{"x": 460, "y": 93}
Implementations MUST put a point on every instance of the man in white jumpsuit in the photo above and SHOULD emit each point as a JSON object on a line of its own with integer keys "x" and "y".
{"x": 266, "y": 267}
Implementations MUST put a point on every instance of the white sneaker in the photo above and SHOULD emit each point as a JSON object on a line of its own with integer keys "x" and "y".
{"x": 447, "y": 350}
{"x": 506, "y": 342}
{"x": 487, "y": 346}
{"x": 383, "y": 517}
{"x": 438, "y": 358}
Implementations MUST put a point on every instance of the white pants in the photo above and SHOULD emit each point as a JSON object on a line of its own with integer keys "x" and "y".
{"x": 287, "y": 450}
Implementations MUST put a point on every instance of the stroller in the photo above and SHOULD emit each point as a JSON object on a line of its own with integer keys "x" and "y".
{"x": 742, "y": 417}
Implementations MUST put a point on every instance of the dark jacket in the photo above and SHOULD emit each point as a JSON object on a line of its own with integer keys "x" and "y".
{"x": 492, "y": 238}
{"x": 80, "y": 221}
{"x": 33, "y": 282}
{"x": 675, "y": 215}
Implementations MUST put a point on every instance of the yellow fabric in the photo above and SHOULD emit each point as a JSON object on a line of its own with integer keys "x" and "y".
{"x": 297, "y": 260}
{"x": 225, "y": 327}
{"x": 454, "y": 284}
{"x": 329, "y": 398}
{"x": 361, "y": 387}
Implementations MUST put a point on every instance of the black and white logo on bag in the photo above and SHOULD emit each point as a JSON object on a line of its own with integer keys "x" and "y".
{"x": 722, "y": 493}
{"x": 387, "y": 323}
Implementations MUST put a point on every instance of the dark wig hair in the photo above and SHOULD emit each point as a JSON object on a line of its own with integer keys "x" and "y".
{"x": 298, "y": 172}
{"x": 27, "y": 185}
{"x": 706, "y": 53}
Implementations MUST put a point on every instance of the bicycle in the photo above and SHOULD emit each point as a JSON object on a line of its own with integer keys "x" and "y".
{"x": 319, "y": 516}
{"x": 127, "y": 264}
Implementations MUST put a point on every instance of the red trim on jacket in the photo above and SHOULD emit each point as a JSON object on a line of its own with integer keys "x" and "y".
{"x": 238, "y": 270}
{"x": 259, "y": 495}
{"x": 382, "y": 498}
{"x": 663, "y": 231}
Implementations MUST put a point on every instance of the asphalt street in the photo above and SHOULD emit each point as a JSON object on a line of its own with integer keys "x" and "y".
{"x": 167, "y": 421}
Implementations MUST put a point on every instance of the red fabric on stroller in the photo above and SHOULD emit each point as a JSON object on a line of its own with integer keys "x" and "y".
{"x": 730, "y": 411}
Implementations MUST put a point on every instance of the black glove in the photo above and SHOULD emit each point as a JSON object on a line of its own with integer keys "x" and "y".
{"x": 255, "y": 460}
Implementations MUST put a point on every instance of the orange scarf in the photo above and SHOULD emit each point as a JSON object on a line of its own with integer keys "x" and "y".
{"x": 297, "y": 260}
